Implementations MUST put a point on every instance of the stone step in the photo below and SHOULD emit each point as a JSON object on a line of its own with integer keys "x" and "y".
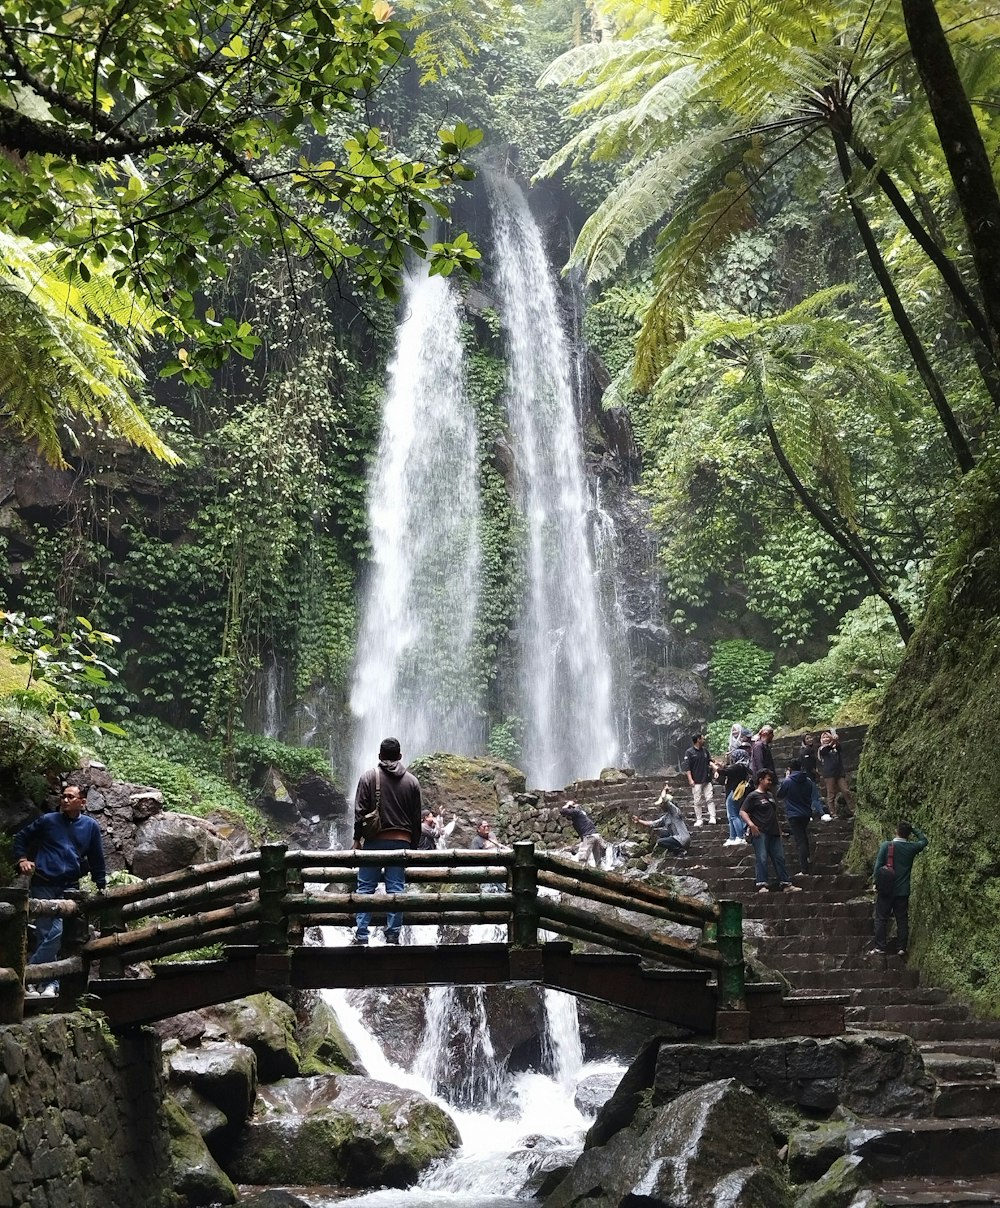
{"x": 898, "y": 1015}
{"x": 970, "y": 1046}
{"x": 960, "y": 1067}
{"x": 964, "y": 1099}
{"x": 822, "y": 945}
{"x": 822, "y": 976}
{"x": 973, "y": 1029}
{"x": 908, "y": 1148}
{"x": 931, "y": 1192}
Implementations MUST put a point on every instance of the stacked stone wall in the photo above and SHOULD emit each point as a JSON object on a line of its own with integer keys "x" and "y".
{"x": 81, "y": 1123}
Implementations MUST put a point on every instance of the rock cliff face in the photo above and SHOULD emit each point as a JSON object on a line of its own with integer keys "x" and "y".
{"x": 930, "y": 758}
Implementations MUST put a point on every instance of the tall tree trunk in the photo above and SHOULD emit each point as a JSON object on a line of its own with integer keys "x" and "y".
{"x": 964, "y": 150}
{"x": 914, "y": 345}
{"x": 854, "y": 550}
{"x": 971, "y": 322}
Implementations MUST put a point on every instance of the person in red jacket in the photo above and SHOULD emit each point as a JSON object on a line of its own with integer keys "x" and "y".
{"x": 397, "y": 793}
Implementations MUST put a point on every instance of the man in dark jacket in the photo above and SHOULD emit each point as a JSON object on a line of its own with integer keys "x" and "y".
{"x": 397, "y": 793}
{"x": 796, "y": 791}
{"x": 831, "y": 768}
{"x": 66, "y": 846}
{"x": 903, "y": 850}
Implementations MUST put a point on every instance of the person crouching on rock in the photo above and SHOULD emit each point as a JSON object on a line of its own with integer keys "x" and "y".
{"x": 669, "y": 831}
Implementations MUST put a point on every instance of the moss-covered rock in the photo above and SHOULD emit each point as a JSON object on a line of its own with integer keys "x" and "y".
{"x": 196, "y": 1176}
{"x": 841, "y": 1187}
{"x": 267, "y": 1026}
{"x": 468, "y": 788}
{"x": 324, "y": 1045}
{"x": 341, "y": 1130}
{"x": 929, "y": 757}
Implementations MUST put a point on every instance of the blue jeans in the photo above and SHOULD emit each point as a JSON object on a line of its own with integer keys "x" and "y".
{"x": 737, "y": 827}
{"x": 369, "y": 876}
{"x": 769, "y": 846}
{"x": 48, "y": 931}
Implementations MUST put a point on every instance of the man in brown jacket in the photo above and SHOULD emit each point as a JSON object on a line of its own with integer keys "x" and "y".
{"x": 397, "y": 792}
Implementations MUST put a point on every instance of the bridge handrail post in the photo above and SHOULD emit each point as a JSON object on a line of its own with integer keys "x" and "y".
{"x": 13, "y": 952}
{"x": 524, "y": 887}
{"x": 110, "y": 919}
{"x": 273, "y": 888}
{"x": 76, "y": 932}
{"x": 732, "y": 987}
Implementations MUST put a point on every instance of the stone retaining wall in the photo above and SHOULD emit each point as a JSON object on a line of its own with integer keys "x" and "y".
{"x": 81, "y": 1123}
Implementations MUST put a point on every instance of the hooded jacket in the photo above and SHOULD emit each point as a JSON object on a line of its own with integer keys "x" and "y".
{"x": 796, "y": 791}
{"x": 399, "y": 799}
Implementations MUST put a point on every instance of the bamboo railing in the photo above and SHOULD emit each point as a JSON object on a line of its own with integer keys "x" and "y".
{"x": 268, "y": 898}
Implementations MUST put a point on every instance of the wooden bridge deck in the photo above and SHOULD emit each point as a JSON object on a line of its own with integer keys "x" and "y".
{"x": 674, "y": 958}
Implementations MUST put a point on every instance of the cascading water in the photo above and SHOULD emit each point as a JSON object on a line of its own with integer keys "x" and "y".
{"x": 566, "y": 673}
{"x": 414, "y": 674}
{"x": 536, "y": 1127}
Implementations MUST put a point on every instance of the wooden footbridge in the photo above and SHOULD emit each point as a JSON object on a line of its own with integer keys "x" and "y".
{"x": 676, "y": 958}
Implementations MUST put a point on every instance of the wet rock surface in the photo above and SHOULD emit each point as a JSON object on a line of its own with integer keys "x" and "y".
{"x": 341, "y": 1130}
{"x": 709, "y": 1146}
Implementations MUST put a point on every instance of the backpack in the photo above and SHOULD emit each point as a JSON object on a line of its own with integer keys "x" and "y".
{"x": 885, "y": 878}
{"x": 741, "y": 789}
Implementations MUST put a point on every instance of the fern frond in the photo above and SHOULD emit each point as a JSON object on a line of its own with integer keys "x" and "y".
{"x": 638, "y": 202}
{"x": 61, "y": 356}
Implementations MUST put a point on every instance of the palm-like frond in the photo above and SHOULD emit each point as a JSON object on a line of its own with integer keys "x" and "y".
{"x": 60, "y": 358}
{"x": 641, "y": 200}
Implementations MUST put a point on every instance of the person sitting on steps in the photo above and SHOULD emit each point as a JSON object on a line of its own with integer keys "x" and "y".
{"x": 669, "y": 831}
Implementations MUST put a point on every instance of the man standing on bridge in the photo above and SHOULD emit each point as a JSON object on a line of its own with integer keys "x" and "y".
{"x": 395, "y": 793}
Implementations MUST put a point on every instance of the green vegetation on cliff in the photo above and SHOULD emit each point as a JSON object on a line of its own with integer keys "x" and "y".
{"x": 929, "y": 758}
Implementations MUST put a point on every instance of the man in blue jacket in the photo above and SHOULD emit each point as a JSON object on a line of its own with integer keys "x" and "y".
{"x": 56, "y": 850}
{"x": 895, "y": 899}
{"x": 796, "y": 792}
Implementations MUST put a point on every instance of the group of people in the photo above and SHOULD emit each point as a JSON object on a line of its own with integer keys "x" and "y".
{"x": 753, "y": 790}
{"x": 58, "y": 848}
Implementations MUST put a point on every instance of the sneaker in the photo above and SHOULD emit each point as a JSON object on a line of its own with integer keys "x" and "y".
{"x": 392, "y": 937}
{"x": 876, "y": 951}
{"x": 359, "y": 941}
{"x": 826, "y": 817}
{"x": 32, "y": 991}
{"x": 788, "y": 887}
{"x": 732, "y": 843}
{"x": 763, "y": 889}
{"x": 48, "y": 992}
{"x": 699, "y": 823}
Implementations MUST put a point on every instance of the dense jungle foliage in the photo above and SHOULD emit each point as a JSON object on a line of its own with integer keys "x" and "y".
{"x": 785, "y": 218}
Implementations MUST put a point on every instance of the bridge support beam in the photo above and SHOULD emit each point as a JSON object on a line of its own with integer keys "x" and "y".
{"x": 732, "y": 987}
{"x": 524, "y": 887}
{"x": 273, "y": 887}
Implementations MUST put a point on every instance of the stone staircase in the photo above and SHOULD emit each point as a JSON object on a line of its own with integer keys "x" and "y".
{"x": 820, "y": 940}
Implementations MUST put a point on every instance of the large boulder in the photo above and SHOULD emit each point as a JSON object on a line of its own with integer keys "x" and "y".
{"x": 195, "y": 1175}
{"x": 341, "y": 1130}
{"x": 324, "y": 1045}
{"x": 712, "y": 1145}
{"x": 264, "y": 1024}
{"x": 168, "y": 842}
{"x": 225, "y": 1074}
{"x": 469, "y": 788}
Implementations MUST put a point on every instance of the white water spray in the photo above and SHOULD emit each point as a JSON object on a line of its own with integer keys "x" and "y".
{"x": 414, "y": 675}
{"x": 566, "y": 674}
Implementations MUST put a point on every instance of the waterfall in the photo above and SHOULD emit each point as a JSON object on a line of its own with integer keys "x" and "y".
{"x": 457, "y": 1020}
{"x": 566, "y": 680}
{"x": 414, "y": 675}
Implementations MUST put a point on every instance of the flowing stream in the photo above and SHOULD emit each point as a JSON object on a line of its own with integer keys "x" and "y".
{"x": 414, "y": 673}
{"x": 566, "y": 678}
{"x": 515, "y": 1124}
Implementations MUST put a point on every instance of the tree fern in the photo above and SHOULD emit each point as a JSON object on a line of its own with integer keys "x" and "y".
{"x": 61, "y": 359}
